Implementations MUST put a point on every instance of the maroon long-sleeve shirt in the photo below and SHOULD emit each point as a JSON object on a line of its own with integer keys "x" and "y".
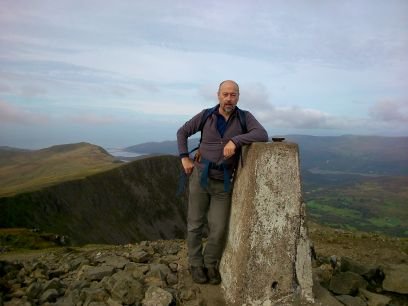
{"x": 212, "y": 143}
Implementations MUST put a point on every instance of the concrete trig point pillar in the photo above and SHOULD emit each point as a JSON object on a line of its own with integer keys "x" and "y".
{"x": 267, "y": 257}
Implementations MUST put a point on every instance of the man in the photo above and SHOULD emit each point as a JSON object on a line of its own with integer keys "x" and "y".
{"x": 223, "y": 135}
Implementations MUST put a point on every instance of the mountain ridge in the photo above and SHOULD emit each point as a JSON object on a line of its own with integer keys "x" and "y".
{"x": 33, "y": 169}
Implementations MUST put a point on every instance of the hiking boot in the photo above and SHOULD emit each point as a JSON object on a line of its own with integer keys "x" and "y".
{"x": 198, "y": 275}
{"x": 213, "y": 275}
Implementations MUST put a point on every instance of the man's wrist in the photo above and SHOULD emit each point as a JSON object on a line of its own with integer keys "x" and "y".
{"x": 182, "y": 155}
{"x": 235, "y": 142}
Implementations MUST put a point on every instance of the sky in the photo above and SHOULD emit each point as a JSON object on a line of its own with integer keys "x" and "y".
{"x": 119, "y": 73}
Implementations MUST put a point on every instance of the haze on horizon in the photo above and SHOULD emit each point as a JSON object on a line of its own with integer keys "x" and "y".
{"x": 126, "y": 72}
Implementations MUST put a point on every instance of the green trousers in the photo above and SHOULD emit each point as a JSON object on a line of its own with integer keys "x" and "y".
{"x": 211, "y": 204}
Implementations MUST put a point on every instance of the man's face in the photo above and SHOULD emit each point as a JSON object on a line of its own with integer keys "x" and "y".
{"x": 228, "y": 96}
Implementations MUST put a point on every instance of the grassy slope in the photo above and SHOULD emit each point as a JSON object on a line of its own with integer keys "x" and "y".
{"x": 22, "y": 171}
{"x": 22, "y": 238}
{"x": 133, "y": 202}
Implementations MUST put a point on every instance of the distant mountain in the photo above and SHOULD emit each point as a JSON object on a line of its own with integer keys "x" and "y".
{"x": 367, "y": 155}
{"x": 25, "y": 170}
{"x": 133, "y": 202}
{"x": 11, "y": 149}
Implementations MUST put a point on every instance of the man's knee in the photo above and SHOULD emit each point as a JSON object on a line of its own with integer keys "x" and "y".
{"x": 217, "y": 232}
{"x": 195, "y": 227}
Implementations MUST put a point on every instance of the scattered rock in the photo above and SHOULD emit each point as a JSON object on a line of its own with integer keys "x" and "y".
{"x": 111, "y": 276}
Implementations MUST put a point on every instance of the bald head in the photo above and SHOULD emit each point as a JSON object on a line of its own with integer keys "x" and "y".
{"x": 228, "y": 83}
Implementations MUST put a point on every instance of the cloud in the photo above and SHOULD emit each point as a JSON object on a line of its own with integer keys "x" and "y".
{"x": 297, "y": 117}
{"x": 255, "y": 97}
{"x": 16, "y": 115}
{"x": 5, "y": 88}
{"x": 11, "y": 114}
{"x": 92, "y": 119}
{"x": 390, "y": 111}
{"x": 32, "y": 91}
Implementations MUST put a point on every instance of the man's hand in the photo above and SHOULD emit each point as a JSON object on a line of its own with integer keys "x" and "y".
{"x": 188, "y": 165}
{"x": 229, "y": 149}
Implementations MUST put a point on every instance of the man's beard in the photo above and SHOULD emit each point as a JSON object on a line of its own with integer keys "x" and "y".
{"x": 229, "y": 108}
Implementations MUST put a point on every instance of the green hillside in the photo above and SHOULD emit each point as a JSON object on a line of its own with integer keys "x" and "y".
{"x": 24, "y": 170}
{"x": 374, "y": 204}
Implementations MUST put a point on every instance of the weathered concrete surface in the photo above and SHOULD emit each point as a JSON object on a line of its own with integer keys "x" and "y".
{"x": 267, "y": 256}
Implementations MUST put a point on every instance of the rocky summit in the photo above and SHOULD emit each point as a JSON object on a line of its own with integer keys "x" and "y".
{"x": 147, "y": 273}
{"x": 156, "y": 273}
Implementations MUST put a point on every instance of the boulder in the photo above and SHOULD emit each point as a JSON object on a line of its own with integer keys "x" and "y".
{"x": 374, "y": 299}
{"x": 54, "y": 283}
{"x": 396, "y": 278}
{"x": 99, "y": 272}
{"x": 49, "y": 295}
{"x": 89, "y": 295}
{"x": 34, "y": 290}
{"x": 349, "y": 264}
{"x": 347, "y": 283}
{"x": 157, "y": 297}
{"x": 323, "y": 274}
{"x": 127, "y": 291}
{"x": 349, "y": 300}
{"x": 140, "y": 256}
{"x": 115, "y": 261}
{"x": 324, "y": 297}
